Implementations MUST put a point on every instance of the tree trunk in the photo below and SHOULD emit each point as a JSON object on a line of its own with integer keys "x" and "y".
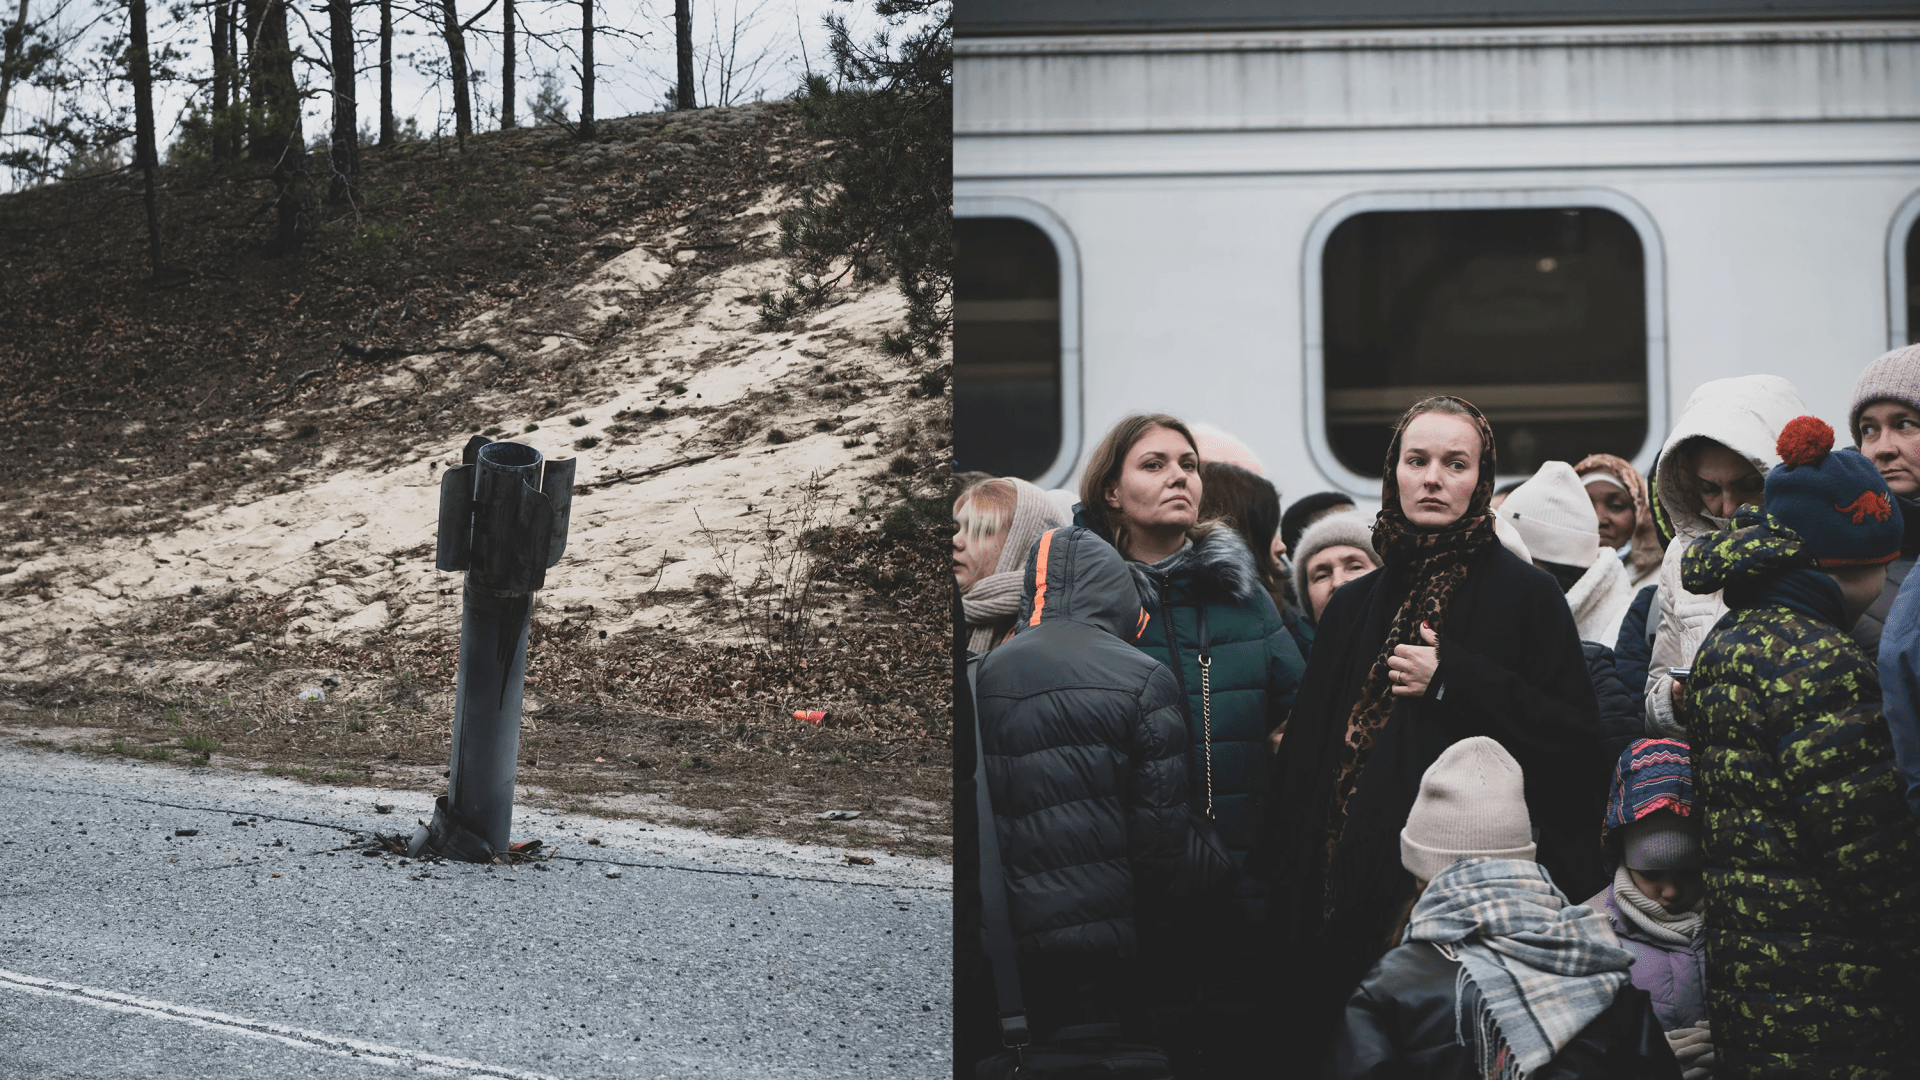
{"x": 222, "y": 80}
{"x": 140, "y": 73}
{"x": 273, "y": 119}
{"x": 346, "y": 114}
{"x": 506, "y": 67}
{"x": 457, "y": 66}
{"x": 586, "y": 69}
{"x": 683, "y": 48}
{"x": 387, "y": 131}
{"x": 16, "y": 42}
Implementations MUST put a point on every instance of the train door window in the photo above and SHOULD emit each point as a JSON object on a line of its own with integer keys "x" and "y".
{"x": 1536, "y": 315}
{"x": 1007, "y": 417}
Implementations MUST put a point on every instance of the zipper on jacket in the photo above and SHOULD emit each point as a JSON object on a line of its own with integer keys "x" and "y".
{"x": 1173, "y": 647}
{"x": 1206, "y": 699}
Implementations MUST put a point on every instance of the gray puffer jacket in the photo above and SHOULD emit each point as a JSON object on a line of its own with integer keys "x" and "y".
{"x": 1085, "y": 746}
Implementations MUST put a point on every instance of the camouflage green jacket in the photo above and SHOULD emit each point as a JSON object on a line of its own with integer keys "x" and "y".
{"x": 1813, "y": 864}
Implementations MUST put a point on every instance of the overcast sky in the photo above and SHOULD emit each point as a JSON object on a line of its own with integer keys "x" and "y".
{"x": 633, "y": 57}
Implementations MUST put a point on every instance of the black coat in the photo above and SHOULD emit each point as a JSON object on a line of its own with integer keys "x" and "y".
{"x": 1085, "y": 745}
{"x": 1633, "y": 649}
{"x": 1404, "y": 1021}
{"x": 1622, "y": 708}
{"x": 1511, "y": 668}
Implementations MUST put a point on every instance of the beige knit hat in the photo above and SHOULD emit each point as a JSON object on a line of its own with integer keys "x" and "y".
{"x": 1472, "y": 803}
{"x": 1895, "y": 376}
{"x": 1555, "y": 517}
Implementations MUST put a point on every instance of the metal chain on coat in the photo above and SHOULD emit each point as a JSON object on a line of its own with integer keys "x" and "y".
{"x": 1206, "y": 719}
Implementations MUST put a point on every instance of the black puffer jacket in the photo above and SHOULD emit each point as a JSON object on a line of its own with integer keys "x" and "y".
{"x": 1086, "y": 748}
{"x": 1404, "y": 1022}
{"x": 1622, "y": 708}
{"x": 1633, "y": 651}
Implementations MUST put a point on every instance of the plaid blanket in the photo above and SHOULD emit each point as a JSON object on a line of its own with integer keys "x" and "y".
{"x": 1543, "y": 968}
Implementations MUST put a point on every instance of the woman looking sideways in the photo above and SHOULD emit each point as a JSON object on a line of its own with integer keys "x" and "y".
{"x": 1454, "y": 636}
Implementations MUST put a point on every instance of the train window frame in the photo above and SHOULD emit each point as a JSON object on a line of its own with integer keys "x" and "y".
{"x": 1313, "y": 314}
{"x": 1902, "y": 225}
{"x": 1068, "y": 252}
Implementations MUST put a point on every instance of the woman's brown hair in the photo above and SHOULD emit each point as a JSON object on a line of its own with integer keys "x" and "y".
{"x": 1102, "y": 473}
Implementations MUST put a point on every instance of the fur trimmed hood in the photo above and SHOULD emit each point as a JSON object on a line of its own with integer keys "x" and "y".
{"x": 1217, "y": 568}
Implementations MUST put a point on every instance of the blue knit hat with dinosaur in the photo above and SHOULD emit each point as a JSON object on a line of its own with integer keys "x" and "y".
{"x": 1834, "y": 500}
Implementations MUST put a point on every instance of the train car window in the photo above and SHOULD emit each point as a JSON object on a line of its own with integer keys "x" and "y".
{"x": 1537, "y": 316}
{"x": 1913, "y": 282}
{"x": 1006, "y": 347}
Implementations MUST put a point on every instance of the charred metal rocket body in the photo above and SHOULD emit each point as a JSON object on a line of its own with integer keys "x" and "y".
{"x": 503, "y": 520}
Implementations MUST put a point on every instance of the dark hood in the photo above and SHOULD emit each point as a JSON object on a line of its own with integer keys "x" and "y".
{"x": 1075, "y": 576}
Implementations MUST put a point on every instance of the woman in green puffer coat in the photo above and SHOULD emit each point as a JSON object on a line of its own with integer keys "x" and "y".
{"x": 1208, "y": 619}
{"x": 1813, "y": 864}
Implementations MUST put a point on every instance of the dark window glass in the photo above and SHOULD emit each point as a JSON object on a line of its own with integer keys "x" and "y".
{"x": 1006, "y": 347}
{"x": 1913, "y": 282}
{"x": 1536, "y": 316}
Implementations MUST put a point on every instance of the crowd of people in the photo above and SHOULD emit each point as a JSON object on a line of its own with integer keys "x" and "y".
{"x": 1588, "y": 776}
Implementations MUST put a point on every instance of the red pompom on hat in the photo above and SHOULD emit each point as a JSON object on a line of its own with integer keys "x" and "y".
{"x": 1835, "y": 501}
{"x": 1806, "y": 440}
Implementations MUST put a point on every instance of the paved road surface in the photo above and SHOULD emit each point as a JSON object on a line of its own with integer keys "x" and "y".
{"x": 273, "y": 948}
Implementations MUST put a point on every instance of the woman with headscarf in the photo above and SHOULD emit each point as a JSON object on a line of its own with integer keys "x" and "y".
{"x": 1619, "y": 495}
{"x": 1208, "y": 619}
{"x": 1453, "y": 637}
{"x": 996, "y": 522}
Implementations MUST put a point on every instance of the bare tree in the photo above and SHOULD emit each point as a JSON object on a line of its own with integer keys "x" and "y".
{"x": 273, "y": 118}
{"x": 387, "y": 132}
{"x": 586, "y": 69}
{"x": 145, "y": 154}
{"x": 456, "y": 38}
{"x": 506, "y": 65}
{"x": 346, "y": 135}
{"x": 226, "y": 68}
{"x": 683, "y": 53}
{"x": 728, "y": 75}
{"x": 11, "y": 50}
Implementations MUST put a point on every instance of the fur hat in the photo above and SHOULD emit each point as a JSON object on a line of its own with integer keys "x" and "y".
{"x": 1472, "y": 803}
{"x": 1834, "y": 500}
{"x": 1555, "y": 517}
{"x": 1895, "y": 376}
{"x": 1348, "y": 529}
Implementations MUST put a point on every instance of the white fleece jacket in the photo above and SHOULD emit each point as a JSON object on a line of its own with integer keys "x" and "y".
{"x": 1600, "y": 599}
{"x": 1744, "y": 414}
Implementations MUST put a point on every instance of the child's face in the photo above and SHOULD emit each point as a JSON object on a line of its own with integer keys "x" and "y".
{"x": 1675, "y": 890}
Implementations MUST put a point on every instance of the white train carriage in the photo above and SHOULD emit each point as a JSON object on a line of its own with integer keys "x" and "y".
{"x": 1294, "y": 219}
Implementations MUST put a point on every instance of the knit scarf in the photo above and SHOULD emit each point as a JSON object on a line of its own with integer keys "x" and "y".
{"x": 1647, "y": 551}
{"x": 1434, "y": 562}
{"x": 990, "y": 604}
{"x": 1646, "y": 913}
{"x": 1542, "y": 969}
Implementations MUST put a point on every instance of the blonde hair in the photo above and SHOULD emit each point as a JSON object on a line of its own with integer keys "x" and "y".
{"x": 984, "y": 507}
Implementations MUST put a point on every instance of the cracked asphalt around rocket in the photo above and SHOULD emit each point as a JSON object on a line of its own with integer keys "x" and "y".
{"x": 266, "y": 944}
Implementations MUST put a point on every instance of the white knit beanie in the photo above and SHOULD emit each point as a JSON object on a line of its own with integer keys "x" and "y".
{"x": 1472, "y": 803}
{"x": 1895, "y": 376}
{"x": 1555, "y": 517}
{"x": 1348, "y": 528}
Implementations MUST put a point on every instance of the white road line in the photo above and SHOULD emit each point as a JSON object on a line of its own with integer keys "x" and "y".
{"x": 371, "y": 1053}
